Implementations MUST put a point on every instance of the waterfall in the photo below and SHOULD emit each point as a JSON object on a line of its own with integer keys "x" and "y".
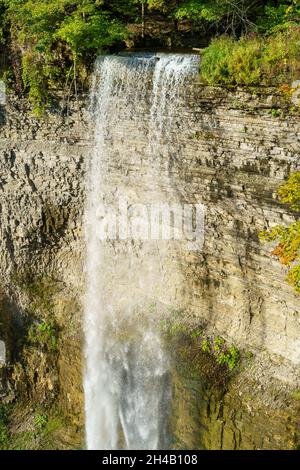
{"x": 126, "y": 382}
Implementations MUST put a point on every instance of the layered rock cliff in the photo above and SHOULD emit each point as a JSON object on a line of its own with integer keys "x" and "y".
{"x": 228, "y": 151}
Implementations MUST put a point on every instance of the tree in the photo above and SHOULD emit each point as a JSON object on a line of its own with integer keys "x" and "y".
{"x": 52, "y": 33}
{"x": 230, "y": 16}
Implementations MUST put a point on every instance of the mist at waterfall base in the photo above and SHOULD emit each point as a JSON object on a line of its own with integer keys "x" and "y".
{"x": 126, "y": 383}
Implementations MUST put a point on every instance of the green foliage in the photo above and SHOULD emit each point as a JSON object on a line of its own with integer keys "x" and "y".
{"x": 219, "y": 344}
{"x": 293, "y": 277}
{"x": 96, "y": 32}
{"x": 205, "y": 346}
{"x": 279, "y": 62}
{"x": 214, "y": 62}
{"x": 8, "y": 78}
{"x": 2, "y": 23}
{"x": 217, "y": 348}
{"x": 289, "y": 193}
{"x": 174, "y": 326}
{"x": 230, "y": 16}
{"x": 4, "y": 431}
{"x": 161, "y": 5}
{"x": 287, "y": 239}
{"x": 194, "y": 10}
{"x": 4, "y": 436}
{"x": 43, "y": 334}
{"x": 177, "y": 329}
{"x": 196, "y": 334}
{"x": 41, "y": 428}
{"x": 224, "y": 355}
{"x": 230, "y": 357}
{"x": 252, "y": 60}
{"x": 289, "y": 242}
{"x": 274, "y": 112}
{"x": 296, "y": 395}
{"x": 42, "y": 433}
{"x": 52, "y": 424}
{"x": 35, "y": 80}
{"x": 244, "y": 62}
{"x": 41, "y": 421}
{"x": 280, "y": 16}
{"x": 53, "y": 33}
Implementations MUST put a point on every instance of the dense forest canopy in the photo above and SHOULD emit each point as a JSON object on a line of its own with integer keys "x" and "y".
{"x": 50, "y": 44}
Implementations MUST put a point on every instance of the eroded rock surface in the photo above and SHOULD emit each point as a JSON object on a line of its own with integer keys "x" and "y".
{"x": 229, "y": 153}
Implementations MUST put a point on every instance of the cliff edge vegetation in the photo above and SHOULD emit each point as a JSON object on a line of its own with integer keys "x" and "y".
{"x": 50, "y": 45}
{"x": 287, "y": 238}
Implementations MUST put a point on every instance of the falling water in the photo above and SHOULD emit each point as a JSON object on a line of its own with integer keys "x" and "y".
{"x": 127, "y": 390}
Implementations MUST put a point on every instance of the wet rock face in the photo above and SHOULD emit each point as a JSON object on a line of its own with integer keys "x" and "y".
{"x": 228, "y": 153}
{"x": 205, "y": 419}
{"x": 214, "y": 408}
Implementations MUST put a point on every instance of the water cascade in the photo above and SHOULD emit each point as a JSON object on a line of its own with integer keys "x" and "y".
{"x": 126, "y": 383}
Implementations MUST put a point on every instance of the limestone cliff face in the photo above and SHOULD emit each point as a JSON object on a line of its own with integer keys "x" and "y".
{"x": 235, "y": 155}
{"x": 225, "y": 150}
{"x": 42, "y": 180}
{"x": 228, "y": 153}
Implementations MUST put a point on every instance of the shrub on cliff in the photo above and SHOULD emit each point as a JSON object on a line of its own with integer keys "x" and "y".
{"x": 287, "y": 239}
{"x": 255, "y": 60}
{"x": 44, "y": 335}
